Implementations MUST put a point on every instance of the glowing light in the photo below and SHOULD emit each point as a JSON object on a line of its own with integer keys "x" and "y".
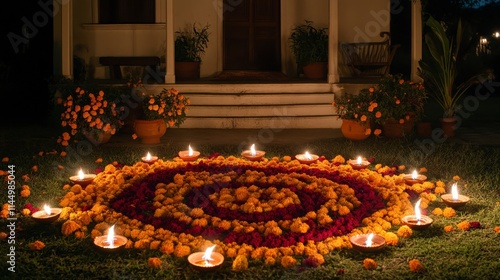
{"x": 81, "y": 176}
{"x": 207, "y": 256}
{"x": 252, "y": 150}
{"x": 418, "y": 216}
{"x": 148, "y": 156}
{"x": 369, "y": 239}
{"x": 111, "y": 236}
{"x": 47, "y": 209}
{"x": 307, "y": 156}
{"x": 414, "y": 175}
{"x": 359, "y": 161}
{"x": 454, "y": 191}
{"x": 190, "y": 153}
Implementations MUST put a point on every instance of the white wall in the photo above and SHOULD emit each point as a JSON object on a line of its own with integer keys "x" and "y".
{"x": 363, "y": 22}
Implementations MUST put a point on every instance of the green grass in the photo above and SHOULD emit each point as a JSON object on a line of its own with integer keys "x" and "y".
{"x": 472, "y": 254}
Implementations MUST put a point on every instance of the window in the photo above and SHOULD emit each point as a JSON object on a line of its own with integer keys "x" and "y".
{"x": 126, "y": 11}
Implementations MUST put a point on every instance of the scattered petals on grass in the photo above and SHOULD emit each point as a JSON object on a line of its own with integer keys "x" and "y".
{"x": 34, "y": 168}
{"x": 449, "y": 212}
{"x": 464, "y": 225}
{"x": 99, "y": 160}
{"x": 63, "y": 154}
{"x": 405, "y": 231}
{"x": 369, "y": 263}
{"x": 240, "y": 263}
{"x": 449, "y": 228}
{"x": 154, "y": 262}
{"x": 5, "y": 159}
{"x": 456, "y": 178}
{"x": 475, "y": 225}
{"x": 3, "y": 235}
{"x": 497, "y": 229}
{"x": 416, "y": 266}
{"x": 37, "y": 245}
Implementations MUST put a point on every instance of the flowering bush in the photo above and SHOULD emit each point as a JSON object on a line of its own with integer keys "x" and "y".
{"x": 88, "y": 115}
{"x": 168, "y": 105}
{"x": 359, "y": 107}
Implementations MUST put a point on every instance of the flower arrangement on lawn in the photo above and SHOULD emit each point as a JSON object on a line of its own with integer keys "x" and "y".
{"x": 274, "y": 210}
{"x": 168, "y": 105}
{"x": 88, "y": 115}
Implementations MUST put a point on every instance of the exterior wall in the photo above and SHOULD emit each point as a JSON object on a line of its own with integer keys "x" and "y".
{"x": 360, "y": 20}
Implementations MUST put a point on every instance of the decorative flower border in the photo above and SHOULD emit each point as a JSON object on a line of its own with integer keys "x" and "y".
{"x": 267, "y": 209}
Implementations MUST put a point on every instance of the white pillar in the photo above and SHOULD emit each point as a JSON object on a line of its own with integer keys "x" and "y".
{"x": 333, "y": 42}
{"x": 416, "y": 39}
{"x": 67, "y": 39}
{"x": 169, "y": 53}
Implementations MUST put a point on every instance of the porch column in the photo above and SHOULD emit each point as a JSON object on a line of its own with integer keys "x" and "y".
{"x": 169, "y": 52}
{"x": 416, "y": 39}
{"x": 333, "y": 42}
{"x": 67, "y": 39}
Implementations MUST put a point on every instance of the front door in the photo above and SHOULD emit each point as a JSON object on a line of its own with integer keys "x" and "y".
{"x": 251, "y": 32}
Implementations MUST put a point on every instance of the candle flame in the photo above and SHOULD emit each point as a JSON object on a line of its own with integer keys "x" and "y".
{"x": 359, "y": 160}
{"x": 307, "y": 155}
{"x": 207, "y": 256}
{"x": 148, "y": 156}
{"x": 252, "y": 150}
{"x": 80, "y": 174}
{"x": 417, "y": 210}
{"x": 111, "y": 236}
{"x": 368, "y": 241}
{"x": 190, "y": 153}
{"x": 47, "y": 209}
{"x": 414, "y": 175}
{"x": 454, "y": 191}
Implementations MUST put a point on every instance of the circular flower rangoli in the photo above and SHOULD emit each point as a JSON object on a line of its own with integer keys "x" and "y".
{"x": 266, "y": 209}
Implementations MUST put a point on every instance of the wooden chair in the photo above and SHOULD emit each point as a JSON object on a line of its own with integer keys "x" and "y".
{"x": 369, "y": 59}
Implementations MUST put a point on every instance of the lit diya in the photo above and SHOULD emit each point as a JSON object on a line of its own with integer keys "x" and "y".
{"x": 359, "y": 163}
{"x": 367, "y": 242}
{"x": 252, "y": 154}
{"x": 207, "y": 260}
{"x": 417, "y": 221}
{"x": 82, "y": 179}
{"x": 47, "y": 215}
{"x": 189, "y": 155}
{"x": 307, "y": 158}
{"x": 149, "y": 158}
{"x": 414, "y": 178}
{"x": 455, "y": 200}
{"x": 110, "y": 242}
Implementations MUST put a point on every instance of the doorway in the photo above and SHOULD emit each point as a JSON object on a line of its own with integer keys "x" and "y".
{"x": 251, "y": 35}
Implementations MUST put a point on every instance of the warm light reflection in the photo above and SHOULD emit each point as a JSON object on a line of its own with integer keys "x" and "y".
{"x": 414, "y": 175}
{"x": 359, "y": 161}
{"x": 252, "y": 150}
{"x": 417, "y": 210}
{"x": 369, "y": 239}
{"x": 81, "y": 176}
{"x": 148, "y": 156}
{"x": 47, "y": 209}
{"x": 207, "y": 256}
{"x": 111, "y": 236}
{"x": 307, "y": 156}
{"x": 190, "y": 153}
{"x": 454, "y": 191}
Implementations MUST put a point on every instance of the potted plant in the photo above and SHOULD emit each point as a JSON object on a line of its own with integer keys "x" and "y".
{"x": 439, "y": 70}
{"x": 190, "y": 45}
{"x": 309, "y": 45}
{"x": 88, "y": 115}
{"x": 157, "y": 112}
{"x": 357, "y": 113}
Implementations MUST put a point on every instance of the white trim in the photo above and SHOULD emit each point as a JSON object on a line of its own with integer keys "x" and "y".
{"x": 283, "y": 35}
{"x": 160, "y": 11}
{"x": 67, "y": 39}
{"x": 416, "y": 39}
{"x": 170, "y": 51}
{"x": 333, "y": 42}
{"x": 147, "y": 26}
{"x": 220, "y": 28}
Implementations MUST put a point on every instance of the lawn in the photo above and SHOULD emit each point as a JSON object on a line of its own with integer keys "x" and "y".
{"x": 459, "y": 254}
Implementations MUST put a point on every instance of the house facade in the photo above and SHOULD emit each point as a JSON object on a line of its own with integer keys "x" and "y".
{"x": 77, "y": 31}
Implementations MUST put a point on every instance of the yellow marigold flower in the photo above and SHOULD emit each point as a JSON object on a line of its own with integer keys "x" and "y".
{"x": 240, "y": 263}
{"x": 416, "y": 266}
{"x": 369, "y": 263}
{"x": 437, "y": 211}
{"x": 154, "y": 262}
{"x": 339, "y": 159}
{"x": 405, "y": 231}
{"x": 391, "y": 239}
{"x": 440, "y": 184}
{"x": 36, "y": 246}
{"x": 288, "y": 261}
{"x": 343, "y": 210}
{"x": 439, "y": 190}
{"x": 464, "y": 225}
{"x": 449, "y": 228}
{"x": 497, "y": 229}
{"x": 456, "y": 178}
{"x": 449, "y": 212}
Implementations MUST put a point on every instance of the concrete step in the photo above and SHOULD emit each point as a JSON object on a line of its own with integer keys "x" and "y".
{"x": 276, "y": 122}
{"x": 261, "y": 110}
{"x": 282, "y": 98}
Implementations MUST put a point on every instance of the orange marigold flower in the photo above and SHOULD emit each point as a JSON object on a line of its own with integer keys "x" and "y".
{"x": 405, "y": 231}
{"x": 401, "y": 167}
{"x": 377, "y": 132}
{"x": 3, "y": 235}
{"x": 25, "y": 193}
{"x": 5, "y": 159}
{"x": 391, "y": 238}
{"x": 154, "y": 262}
{"x": 34, "y": 168}
{"x": 288, "y": 261}
{"x": 464, "y": 225}
{"x": 497, "y": 229}
{"x": 378, "y": 114}
{"x": 439, "y": 190}
{"x": 422, "y": 170}
{"x": 401, "y": 121}
{"x": 369, "y": 263}
{"x": 371, "y": 89}
{"x": 240, "y": 263}
{"x": 456, "y": 178}
{"x": 449, "y": 212}
{"x": 398, "y": 101}
{"x": 99, "y": 160}
{"x": 363, "y": 118}
{"x": 440, "y": 184}
{"x": 437, "y": 211}
{"x": 401, "y": 81}
{"x": 36, "y": 246}
{"x": 416, "y": 266}
{"x": 368, "y": 131}
{"x": 63, "y": 154}
{"x": 449, "y": 228}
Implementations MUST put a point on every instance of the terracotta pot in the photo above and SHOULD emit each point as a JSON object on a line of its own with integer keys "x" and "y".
{"x": 315, "y": 70}
{"x": 393, "y": 129}
{"x": 354, "y": 130}
{"x": 424, "y": 129}
{"x": 98, "y": 137}
{"x": 448, "y": 126}
{"x": 150, "y": 131}
{"x": 187, "y": 70}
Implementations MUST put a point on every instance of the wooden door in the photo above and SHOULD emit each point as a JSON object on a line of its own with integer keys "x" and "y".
{"x": 251, "y": 32}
